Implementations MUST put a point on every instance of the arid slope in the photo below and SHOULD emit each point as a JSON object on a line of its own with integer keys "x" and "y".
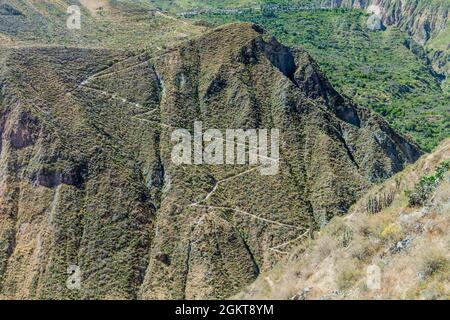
{"x": 87, "y": 178}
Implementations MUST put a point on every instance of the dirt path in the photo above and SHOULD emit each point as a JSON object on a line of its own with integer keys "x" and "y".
{"x": 199, "y": 204}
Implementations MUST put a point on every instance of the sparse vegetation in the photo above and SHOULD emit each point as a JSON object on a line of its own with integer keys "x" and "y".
{"x": 409, "y": 246}
{"x": 44, "y": 23}
{"x": 433, "y": 262}
{"x": 427, "y": 184}
{"x": 392, "y": 232}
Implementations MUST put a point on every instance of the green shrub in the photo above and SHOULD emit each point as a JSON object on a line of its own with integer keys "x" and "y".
{"x": 426, "y": 186}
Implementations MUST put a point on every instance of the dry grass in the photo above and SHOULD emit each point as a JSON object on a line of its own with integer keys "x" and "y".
{"x": 409, "y": 245}
{"x": 94, "y": 5}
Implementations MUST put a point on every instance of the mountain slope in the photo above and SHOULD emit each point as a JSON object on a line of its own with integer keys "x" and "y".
{"x": 87, "y": 176}
{"x": 185, "y": 5}
{"x": 384, "y": 70}
{"x": 130, "y": 25}
{"x": 427, "y": 21}
{"x": 387, "y": 230}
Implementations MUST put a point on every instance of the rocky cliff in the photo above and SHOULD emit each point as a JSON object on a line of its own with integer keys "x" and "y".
{"x": 87, "y": 177}
{"x": 124, "y": 24}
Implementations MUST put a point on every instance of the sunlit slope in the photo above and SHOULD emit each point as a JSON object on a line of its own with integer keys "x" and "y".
{"x": 104, "y": 24}
{"x": 393, "y": 245}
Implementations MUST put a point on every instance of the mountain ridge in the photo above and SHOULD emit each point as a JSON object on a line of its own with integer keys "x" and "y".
{"x": 95, "y": 135}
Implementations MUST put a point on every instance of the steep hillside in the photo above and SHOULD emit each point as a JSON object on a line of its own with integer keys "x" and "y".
{"x": 87, "y": 177}
{"x": 394, "y": 244}
{"x": 426, "y": 20}
{"x": 186, "y": 5}
{"x": 384, "y": 70}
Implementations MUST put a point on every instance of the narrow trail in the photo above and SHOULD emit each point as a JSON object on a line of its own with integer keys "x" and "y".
{"x": 221, "y": 181}
{"x": 239, "y": 211}
{"x": 240, "y": 10}
{"x": 105, "y": 72}
{"x": 115, "y": 97}
{"x": 199, "y": 204}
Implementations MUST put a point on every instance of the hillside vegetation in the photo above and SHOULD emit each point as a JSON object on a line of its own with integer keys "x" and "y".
{"x": 384, "y": 70}
{"x": 87, "y": 177}
{"x": 186, "y": 5}
{"x": 407, "y": 241}
{"x": 88, "y": 180}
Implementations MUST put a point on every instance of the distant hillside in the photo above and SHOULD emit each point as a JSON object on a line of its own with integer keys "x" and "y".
{"x": 87, "y": 178}
{"x": 400, "y": 228}
{"x": 385, "y": 71}
{"x": 428, "y": 21}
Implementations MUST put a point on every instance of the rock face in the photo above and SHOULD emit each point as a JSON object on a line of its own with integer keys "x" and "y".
{"x": 87, "y": 177}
